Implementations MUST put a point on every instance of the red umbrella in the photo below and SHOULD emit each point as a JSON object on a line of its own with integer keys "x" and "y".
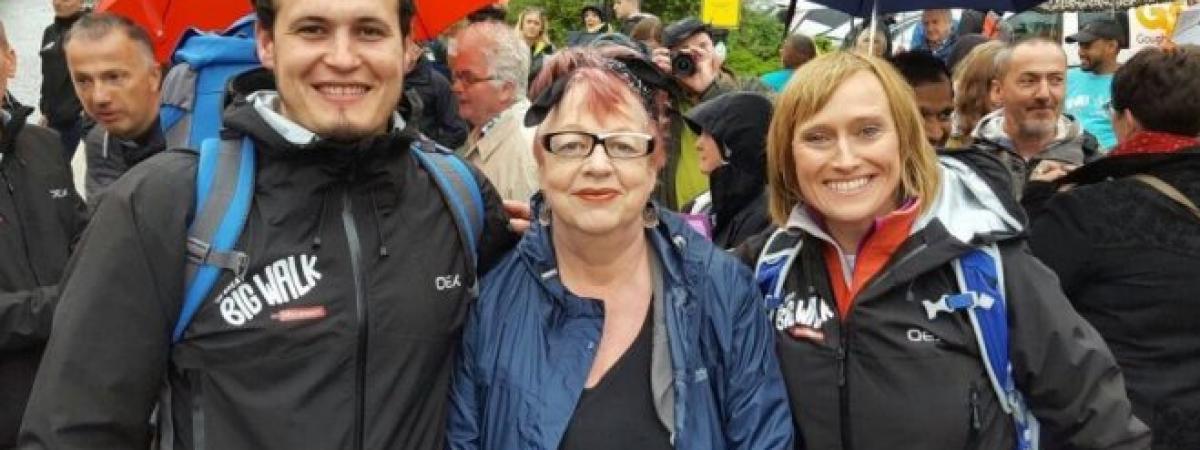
{"x": 165, "y": 20}
{"x": 435, "y": 16}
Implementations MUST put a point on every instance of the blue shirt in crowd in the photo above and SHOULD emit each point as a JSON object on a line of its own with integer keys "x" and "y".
{"x": 1087, "y": 99}
{"x": 778, "y": 79}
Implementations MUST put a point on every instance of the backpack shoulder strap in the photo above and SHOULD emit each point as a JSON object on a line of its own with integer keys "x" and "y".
{"x": 981, "y": 294}
{"x": 1169, "y": 191}
{"x": 773, "y": 264}
{"x": 459, "y": 189}
{"x": 224, "y": 192}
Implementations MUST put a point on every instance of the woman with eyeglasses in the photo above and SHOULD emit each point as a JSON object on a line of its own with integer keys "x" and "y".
{"x": 613, "y": 324}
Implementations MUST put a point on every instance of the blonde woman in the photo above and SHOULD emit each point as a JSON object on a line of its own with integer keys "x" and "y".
{"x": 877, "y": 221}
{"x": 533, "y": 27}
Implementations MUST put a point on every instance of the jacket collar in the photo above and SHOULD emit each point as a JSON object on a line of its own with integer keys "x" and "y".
{"x": 672, "y": 241}
{"x": 1067, "y": 144}
{"x": 491, "y": 136}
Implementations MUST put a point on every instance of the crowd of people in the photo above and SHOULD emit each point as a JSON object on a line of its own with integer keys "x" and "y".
{"x": 959, "y": 243}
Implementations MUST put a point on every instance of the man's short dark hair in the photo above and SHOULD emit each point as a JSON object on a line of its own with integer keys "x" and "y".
{"x": 801, "y": 44}
{"x": 98, "y": 25}
{"x": 920, "y": 67}
{"x": 265, "y": 10}
{"x": 1161, "y": 89}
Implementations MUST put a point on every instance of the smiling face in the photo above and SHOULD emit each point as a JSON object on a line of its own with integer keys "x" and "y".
{"x": 338, "y": 65}
{"x": 117, "y": 81}
{"x": 848, "y": 155}
{"x": 596, "y": 195}
{"x": 1032, "y": 89}
{"x": 937, "y": 23}
{"x": 1098, "y": 54}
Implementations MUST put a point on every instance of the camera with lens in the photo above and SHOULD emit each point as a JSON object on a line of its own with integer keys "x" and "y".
{"x": 682, "y": 64}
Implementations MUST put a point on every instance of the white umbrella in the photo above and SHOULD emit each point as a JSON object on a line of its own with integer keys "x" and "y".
{"x": 1092, "y": 5}
{"x": 1187, "y": 27}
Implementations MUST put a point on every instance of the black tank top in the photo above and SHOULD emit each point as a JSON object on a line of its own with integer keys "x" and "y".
{"x": 618, "y": 413}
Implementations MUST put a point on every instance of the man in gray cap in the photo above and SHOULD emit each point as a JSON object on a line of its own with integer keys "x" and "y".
{"x": 1089, "y": 86}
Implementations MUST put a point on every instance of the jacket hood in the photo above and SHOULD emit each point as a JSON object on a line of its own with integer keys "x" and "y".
{"x": 1071, "y": 143}
{"x": 971, "y": 205}
{"x": 742, "y": 178}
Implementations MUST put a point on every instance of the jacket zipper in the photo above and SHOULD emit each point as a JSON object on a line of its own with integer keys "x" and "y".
{"x": 360, "y": 301}
{"x": 843, "y": 386}
{"x": 976, "y": 420}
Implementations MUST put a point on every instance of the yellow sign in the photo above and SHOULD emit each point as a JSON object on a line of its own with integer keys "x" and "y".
{"x": 1159, "y": 16}
{"x": 1150, "y": 25}
{"x": 721, "y": 13}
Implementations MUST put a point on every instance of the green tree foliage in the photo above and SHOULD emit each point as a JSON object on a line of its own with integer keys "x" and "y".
{"x": 753, "y": 48}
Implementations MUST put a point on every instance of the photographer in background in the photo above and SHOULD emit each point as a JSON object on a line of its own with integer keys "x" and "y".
{"x": 688, "y": 54}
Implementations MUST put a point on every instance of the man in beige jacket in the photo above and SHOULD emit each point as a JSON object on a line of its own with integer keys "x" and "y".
{"x": 490, "y": 73}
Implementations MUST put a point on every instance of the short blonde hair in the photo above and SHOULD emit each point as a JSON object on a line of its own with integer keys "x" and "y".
{"x": 800, "y": 101}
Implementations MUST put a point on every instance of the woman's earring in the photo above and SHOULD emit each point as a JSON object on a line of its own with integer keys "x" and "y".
{"x": 544, "y": 216}
{"x": 650, "y": 216}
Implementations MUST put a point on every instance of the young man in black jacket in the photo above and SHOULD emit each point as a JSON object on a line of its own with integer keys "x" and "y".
{"x": 342, "y": 329}
{"x": 40, "y": 217}
{"x": 59, "y": 105}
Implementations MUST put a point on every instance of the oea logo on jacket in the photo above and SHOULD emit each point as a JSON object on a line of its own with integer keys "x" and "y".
{"x": 281, "y": 282}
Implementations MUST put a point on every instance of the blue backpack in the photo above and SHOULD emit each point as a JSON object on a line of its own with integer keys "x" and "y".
{"x": 981, "y": 295}
{"x": 193, "y": 99}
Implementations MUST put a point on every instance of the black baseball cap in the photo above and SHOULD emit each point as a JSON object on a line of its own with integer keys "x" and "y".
{"x": 680, "y": 30}
{"x": 1100, "y": 29}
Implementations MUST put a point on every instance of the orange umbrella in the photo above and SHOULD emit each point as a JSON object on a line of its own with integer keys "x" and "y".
{"x": 165, "y": 20}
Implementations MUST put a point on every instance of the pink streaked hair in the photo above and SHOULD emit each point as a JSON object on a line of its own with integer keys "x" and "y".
{"x": 607, "y": 93}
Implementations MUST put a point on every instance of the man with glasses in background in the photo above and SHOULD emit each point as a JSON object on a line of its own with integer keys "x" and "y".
{"x": 489, "y": 65}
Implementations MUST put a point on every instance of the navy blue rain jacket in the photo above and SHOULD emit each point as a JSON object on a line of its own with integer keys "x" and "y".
{"x": 529, "y": 344}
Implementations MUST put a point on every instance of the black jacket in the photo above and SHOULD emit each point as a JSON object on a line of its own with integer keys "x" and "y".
{"x": 108, "y": 157}
{"x": 40, "y": 217}
{"x": 887, "y": 375}
{"x": 341, "y": 335}
{"x": 58, "y": 103}
{"x": 429, "y": 105}
{"x": 1129, "y": 259}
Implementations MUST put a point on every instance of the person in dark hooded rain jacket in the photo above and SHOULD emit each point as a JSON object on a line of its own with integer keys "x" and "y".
{"x": 40, "y": 217}
{"x": 880, "y": 220}
{"x": 343, "y": 328}
{"x": 613, "y": 325}
{"x": 732, "y": 130}
{"x": 1126, "y": 247}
